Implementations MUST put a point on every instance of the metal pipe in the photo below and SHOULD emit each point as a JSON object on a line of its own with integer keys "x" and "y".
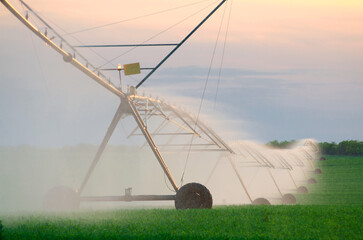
{"x": 66, "y": 56}
{"x": 127, "y": 45}
{"x": 205, "y": 131}
{"x": 219, "y": 139}
{"x": 158, "y": 129}
{"x": 181, "y": 117}
{"x": 293, "y": 180}
{"x": 163, "y": 134}
{"x": 152, "y": 145}
{"x": 213, "y": 170}
{"x": 274, "y": 180}
{"x": 239, "y": 177}
{"x": 128, "y": 198}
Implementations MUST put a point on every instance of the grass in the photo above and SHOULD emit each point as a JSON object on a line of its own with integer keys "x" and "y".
{"x": 249, "y": 222}
{"x": 340, "y": 183}
{"x": 338, "y": 214}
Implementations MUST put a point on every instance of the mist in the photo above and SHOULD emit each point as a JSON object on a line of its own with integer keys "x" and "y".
{"x": 29, "y": 172}
{"x": 62, "y": 117}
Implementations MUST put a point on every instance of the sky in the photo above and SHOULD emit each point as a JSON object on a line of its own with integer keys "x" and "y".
{"x": 291, "y": 69}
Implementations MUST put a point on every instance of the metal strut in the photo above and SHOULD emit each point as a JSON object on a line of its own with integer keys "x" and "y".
{"x": 102, "y": 147}
{"x": 126, "y": 45}
{"x": 152, "y": 145}
{"x": 127, "y": 106}
{"x": 66, "y": 56}
{"x": 239, "y": 177}
{"x": 274, "y": 181}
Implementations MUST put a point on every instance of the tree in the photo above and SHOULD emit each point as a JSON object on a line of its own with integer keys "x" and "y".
{"x": 282, "y": 144}
{"x": 1, "y": 230}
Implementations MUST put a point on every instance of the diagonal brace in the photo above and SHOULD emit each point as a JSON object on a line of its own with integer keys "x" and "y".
{"x": 102, "y": 147}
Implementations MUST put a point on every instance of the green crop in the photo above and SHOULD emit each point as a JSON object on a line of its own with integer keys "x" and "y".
{"x": 334, "y": 210}
{"x": 242, "y": 222}
{"x": 1, "y": 230}
{"x": 340, "y": 183}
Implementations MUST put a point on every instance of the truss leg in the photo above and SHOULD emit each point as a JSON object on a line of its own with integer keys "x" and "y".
{"x": 101, "y": 148}
{"x": 152, "y": 145}
{"x": 240, "y": 178}
{"x": 274, "y": 180}
{"x": 213, "y": 170}
{"x": 302, "y": 170}
{"x": 283, "y": 161}
{"x": 311, "y": 164}
{"x": 293, "y": 180}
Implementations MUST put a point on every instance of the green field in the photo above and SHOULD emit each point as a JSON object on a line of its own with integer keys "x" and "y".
{"x": 341, "y": 182}
{"x": 337, "y": 213}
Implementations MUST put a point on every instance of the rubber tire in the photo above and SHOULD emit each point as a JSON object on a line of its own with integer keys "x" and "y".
{"x": 193, "y": 196}
{"x": 312, "y": 181}
{"x": 288, "y": 199}
{"x": 302, "y": 190}
{"x": 61, "y": 198}
{"x": 261, "y": 201}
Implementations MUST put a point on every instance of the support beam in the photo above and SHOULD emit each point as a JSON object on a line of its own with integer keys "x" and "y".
{"x": 163, "y": 124}
{"x": 130, "y": 198}
{"x": 127, "y": 45}
{"x": 152, "y": 145}
{"x": 201, "y": 128}
{"x": 239, "y": 177}
{"x": 66, "y": 56}
{"x": 304, "y": 173}
{"x": 185, "y": 122}
{"x": 213, "y": 170}
{"x": 293, "y": 180}
{"x": 102, "y": 147}
{"x": 274, "y": 180}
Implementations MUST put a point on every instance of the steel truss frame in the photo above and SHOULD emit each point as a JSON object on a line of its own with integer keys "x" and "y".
{"x": 141, "y": 108}
{"x": 144, "y": 110}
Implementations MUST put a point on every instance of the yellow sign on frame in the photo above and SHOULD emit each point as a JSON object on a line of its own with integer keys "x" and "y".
{"x": 132, "y": 68}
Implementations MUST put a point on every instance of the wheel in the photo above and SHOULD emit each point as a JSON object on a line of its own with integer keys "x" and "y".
{"x": 61, "y": 198}
{"x": 261, "y": 201}
{"x": 302, "y": 190}
{"x": 193, "y": 195}
{"x": 288, "y": 199}
{"x": 317, "y": 171}
{"x": 312, "y": 181}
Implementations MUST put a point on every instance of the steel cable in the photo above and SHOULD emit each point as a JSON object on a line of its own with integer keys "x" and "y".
{"x": 203, "y": 94}
{"x": 156, "y": 35}
{"x": 131, "y": 19}
{"x": 223, "y": 52}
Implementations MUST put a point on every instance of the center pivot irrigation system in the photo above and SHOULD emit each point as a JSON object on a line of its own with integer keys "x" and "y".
{"x": 174, "y": 125}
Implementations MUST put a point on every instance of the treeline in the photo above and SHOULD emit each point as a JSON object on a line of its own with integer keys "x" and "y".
{"x": 282, "y": 144}
{"x": 350, "y": 148}
{"x": 344, "y": 148}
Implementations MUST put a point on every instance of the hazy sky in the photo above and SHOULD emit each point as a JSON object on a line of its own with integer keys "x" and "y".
{"x": 291, "y": 70}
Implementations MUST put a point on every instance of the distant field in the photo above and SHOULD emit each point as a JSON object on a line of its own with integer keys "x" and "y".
{"x": 337, "y": 215}
{"x": 340, "y": 183}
